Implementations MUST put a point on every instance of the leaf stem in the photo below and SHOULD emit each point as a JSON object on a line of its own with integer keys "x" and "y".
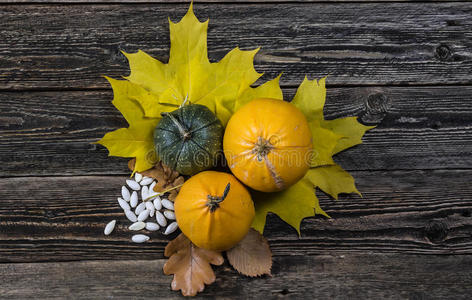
{"x": 163, "y": 192}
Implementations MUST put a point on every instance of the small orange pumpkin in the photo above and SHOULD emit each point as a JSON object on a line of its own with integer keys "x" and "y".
{"x": 214, "y": 210}
{"x": 268, "y": 144}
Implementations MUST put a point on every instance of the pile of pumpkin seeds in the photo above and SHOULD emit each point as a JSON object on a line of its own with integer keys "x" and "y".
{"x": 150, "y": 206}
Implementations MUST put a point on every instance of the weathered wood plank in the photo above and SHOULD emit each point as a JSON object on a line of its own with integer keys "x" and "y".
{"x": 417, "y": 212}
{"x": 196, "y": 1}
{"x": 47, "y": 133}
{"x": 55, "y": 47}
{"x": 332, "y": 276}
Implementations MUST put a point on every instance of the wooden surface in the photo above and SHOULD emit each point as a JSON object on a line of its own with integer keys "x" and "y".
{"x": 404, "y": 66}
{"x": 56, "y": 47}
{"x": 343, "y": 276}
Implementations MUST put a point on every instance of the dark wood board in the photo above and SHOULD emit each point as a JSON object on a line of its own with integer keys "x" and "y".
{"x": 71, "y": 47}
{"x": 416, "y": 212}
{"x": 330, "y": 276}
{"x": 404, "y": 66}
{"x": 146, "y": 2}
{"x": 47, "y": 133}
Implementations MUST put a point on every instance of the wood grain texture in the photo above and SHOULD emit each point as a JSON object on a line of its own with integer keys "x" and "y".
{"x": 331, "y": 276}
{"x": 416, "y": 212}
{"x": 47, "y": 133}
{"x": 70, "y": 47}
{"x": 146, "y": 2}
{"x": 406, "y": 67}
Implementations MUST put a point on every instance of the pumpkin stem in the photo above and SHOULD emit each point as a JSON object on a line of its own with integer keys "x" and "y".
{"x": 262, "y": 148}
{"x": 214, "y": 201}
{"x": 184, "y": 102}
{"x": 183, "y": 131}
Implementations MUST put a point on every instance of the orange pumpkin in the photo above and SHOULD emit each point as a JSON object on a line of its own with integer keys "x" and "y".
{"x": 214, "y": 210}
{"x": 268, "y": 144}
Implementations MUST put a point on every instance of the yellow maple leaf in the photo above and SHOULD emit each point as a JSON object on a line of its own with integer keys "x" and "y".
{"x": 136, "y": 140}
{"x": 190, "y": 77}
{"x": 291, "y": 205}
{"x": 329, "y": 137}
{"x": 350, "y": 130}
{"x": 332, "y": 180}
{"x": 310, "y": 98}
{"x": 154, "y": 87}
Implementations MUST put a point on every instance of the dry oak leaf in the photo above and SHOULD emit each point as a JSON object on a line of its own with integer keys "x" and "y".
{"x": 251, "y": 256}
{"x": 190, "y": 265}
{"x": 166, "y": 178}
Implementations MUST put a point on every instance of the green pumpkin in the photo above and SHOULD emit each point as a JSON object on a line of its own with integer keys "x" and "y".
{"x": 189, "y": 139}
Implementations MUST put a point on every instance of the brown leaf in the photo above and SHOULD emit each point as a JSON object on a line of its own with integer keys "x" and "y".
{"x": 166, "y": 178}
{"x": 190, "y": 265}
{"x": 252, "y": 256}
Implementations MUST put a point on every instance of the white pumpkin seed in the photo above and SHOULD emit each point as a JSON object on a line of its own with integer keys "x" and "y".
{"x": 168, "y": 204}
{"x": 109, "y": 228}
{"x": 134, "y": 199}
{"x": 137, "y": 226}
{"x": 123, "y": 204}
{"x": 161, "y": 220}
{"x": 139, "y": 238}
{"x": 146, "y": 181}
{"x": 140, "y": 208}
{"x": 138, "y": 177}
{"x": 151, "y": 187}
{"x": 150, "y": 207}
{"x": 133, "y": 184}
{"x": 143, "y": 215}
{"x": 171, "y": 228}
{"x": 125, "y": 193}
{"x": 131, "y": 216}
{"x": 157, "y": 203}
{"x": 144, "y": 192}
{"x": 169, "y": 214}
{"x": 152, "y": 226}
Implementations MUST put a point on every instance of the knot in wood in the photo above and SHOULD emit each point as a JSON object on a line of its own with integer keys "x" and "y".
{"x": 436, "y": 231}
{"x": 435, "y": 125}
{"x": 50, "y": 214}
{"x": 443, "y": 52}
{"x": 376, "y": 107}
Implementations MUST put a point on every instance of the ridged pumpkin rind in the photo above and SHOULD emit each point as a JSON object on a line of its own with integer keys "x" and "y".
{"x": 288, "y": 132}
{"x": 197, "y": 153}
{"x": 224, "y": 227}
